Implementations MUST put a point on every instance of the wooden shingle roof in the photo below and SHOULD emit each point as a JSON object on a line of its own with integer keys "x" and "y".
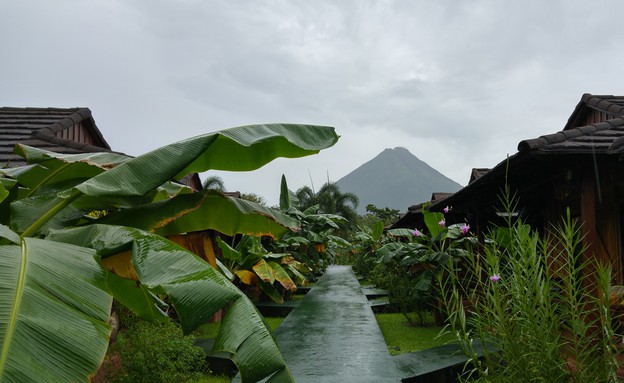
{"x": 595, "y": 126}
{"x": 66, "y": 130}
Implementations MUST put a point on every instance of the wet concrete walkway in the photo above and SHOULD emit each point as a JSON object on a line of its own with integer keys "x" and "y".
{"x": 333, "y": 335}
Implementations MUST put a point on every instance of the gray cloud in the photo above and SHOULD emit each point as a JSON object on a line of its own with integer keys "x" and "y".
{"x": 456, "y": 83}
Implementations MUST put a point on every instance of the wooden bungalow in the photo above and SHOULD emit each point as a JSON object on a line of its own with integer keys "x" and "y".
{"x": 67, "y": 131}
{"x": 580, "y": 168}
{"x": 60, "y": 130}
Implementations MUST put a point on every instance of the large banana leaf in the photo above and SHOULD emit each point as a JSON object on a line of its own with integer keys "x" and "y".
{"x": 55, "y": 167}
{"x": 240, "y": 149}
{"x": 196, "y": 290}
{"x": 209, "y": 209}
{"x": 54, "y": 312}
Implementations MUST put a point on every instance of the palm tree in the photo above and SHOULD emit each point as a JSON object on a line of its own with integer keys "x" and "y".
{"x": 306, "y": 196}
{"x": 214, "y": 183}
{"x": 331, "y": 201}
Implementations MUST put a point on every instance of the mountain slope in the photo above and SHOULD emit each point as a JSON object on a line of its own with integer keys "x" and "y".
{"x": 396, "y": 179}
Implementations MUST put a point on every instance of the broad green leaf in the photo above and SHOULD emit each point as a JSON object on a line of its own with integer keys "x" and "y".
{"x": 405, "y": 233}
{"x": 299, "y": 278}
{"x": 338, "y": 241}
{"x": 282, "y": 276}
{"x": 6, "y": 232}
{"x": 54, "y": 312}
{"x": 226, "y": 272}
{"x": 240, "y": 149}
{"x": 231, "y": 216}
{"x": 53, "y": 160}
{"x": 136, "y": 297}
{"x": 432, "y": 220}
{"x": 271, "y": 291}
{"x": 264, "y": 271}
{"x": 239, "y": 336}
{"x": 377, "y": 230}
{"x": 28, "y": 210}
{"x": 454, "y": 231}
{"x": 54, "y": 167}
{"x": 3, "y": 192}
{"x": 228, "y": 252}
{"x": 285, "y": 203}
{"x": 196, "y": 290}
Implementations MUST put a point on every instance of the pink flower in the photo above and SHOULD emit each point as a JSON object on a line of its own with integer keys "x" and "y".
{"x": 442, "y": 223}
{"x": 446, "y": 210}
{"x": 417, "y": 233}
{"x": 494, "y": 278}
{"x": 465, "y": 229}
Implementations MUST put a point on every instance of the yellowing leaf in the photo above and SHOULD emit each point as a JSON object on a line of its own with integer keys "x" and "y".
{"x": 263, "y": 270}
{"x": 121, "y": 265}
{"x": 246, "y": 276}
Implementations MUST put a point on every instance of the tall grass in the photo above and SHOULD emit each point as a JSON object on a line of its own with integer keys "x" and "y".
{"x": 538, "y": 305}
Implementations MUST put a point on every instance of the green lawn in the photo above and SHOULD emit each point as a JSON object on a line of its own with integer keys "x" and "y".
{"x": 402, "y": 338}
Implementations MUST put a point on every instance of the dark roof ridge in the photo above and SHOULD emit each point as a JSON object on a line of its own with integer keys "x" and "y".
{"x": 561, "y": 136}
{"x": 48, "y": 133}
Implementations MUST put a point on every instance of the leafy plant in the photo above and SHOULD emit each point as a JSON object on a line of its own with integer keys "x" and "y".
{"x": 540, "y": 311}
{"x": 157, "y": 353}
{"x": 313, "y": 244}
{"x": 252, "y": 265}
{"x": 410, "y": 258}
{"x": 331, "y": 201}
{"x": 60, "y": 267}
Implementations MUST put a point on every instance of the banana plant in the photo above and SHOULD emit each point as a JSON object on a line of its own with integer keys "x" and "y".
{"x": 61, "y": 265}
{"x": 313, "y": 243}
{"x": 254, "y": 266}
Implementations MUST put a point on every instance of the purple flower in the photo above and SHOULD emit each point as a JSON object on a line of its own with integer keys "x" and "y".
{"x": 494, "y": 278}
{"x": 465, "y": 229}
{"x": 442, "y": 223}
{"x": 446, "y": 210}
{"x": 417, "y": 233}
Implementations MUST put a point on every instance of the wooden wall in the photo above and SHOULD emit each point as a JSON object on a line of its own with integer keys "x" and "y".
{"x": 80, "y": 134}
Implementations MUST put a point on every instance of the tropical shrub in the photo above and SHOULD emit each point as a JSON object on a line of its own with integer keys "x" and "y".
{"x": 331, "y": 201}
{"x": 157, "y": 353}
{"x": 313, "y": 244}
{"x": 60, "y": 266}
{"x": 408, "y": 260}
{"x": 252, "y": 265}
{"x": 532, "y": 309}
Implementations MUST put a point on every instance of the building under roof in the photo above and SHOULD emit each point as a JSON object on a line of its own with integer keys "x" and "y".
{"x": 580, "y": 169}
{"x": 61, "y": 130}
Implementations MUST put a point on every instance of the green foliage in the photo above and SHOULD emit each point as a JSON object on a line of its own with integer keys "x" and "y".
{"x": 62, "y": 267}
{"x": 541, "y": 308}
{"x": 404, "y": 261}
{"x": 387, "y": 215}
{"x": 314, "y": 244}
{"x": 157, "y": 353}
{"x": 253, "y": 197}
{"x": 330, "y": 200}
{"x": 252, "y": 265}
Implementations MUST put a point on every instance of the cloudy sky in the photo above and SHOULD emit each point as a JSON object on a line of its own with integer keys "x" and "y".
{"x": 458, "y": 84}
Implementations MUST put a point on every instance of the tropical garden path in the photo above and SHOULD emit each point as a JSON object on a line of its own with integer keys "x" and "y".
{"x": 333, "y": 335}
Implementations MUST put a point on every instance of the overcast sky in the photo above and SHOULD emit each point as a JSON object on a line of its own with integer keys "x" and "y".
{"x": 458, "y": 84}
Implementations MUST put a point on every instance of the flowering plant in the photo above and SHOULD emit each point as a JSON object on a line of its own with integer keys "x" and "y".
{"x": 413, "y": 257}
{"x": 519, "y": 319}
